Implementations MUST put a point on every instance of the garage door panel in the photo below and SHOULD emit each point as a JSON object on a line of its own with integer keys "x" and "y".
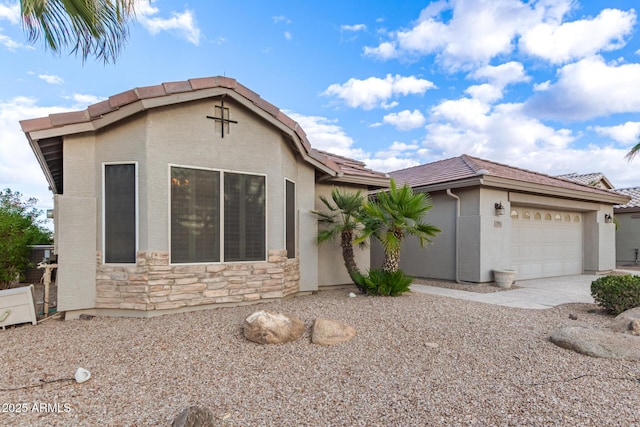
{"x": 548, "y": 246}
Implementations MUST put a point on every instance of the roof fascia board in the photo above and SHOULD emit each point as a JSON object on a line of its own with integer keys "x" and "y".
{"x": 468, "y": 182}
{"x": 532, "y": 187}
{"x": 551, "y": 202}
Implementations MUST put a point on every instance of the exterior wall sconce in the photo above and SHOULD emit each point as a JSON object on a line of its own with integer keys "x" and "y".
{"x": 608, "y": 218}
{"x": 499, "y": 209}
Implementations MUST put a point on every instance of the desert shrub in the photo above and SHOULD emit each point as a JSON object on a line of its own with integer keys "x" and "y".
{"x": 19, "y": 229}
{"x": 616, "y": 293}
{"x": 384, "y": 283}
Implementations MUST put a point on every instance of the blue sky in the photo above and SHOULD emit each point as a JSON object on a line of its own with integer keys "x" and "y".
{"x": 550, "y": 85}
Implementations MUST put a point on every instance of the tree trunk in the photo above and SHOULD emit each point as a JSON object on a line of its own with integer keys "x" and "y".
{"x": 347, "y": 251}
{"x": 391, "y": 262}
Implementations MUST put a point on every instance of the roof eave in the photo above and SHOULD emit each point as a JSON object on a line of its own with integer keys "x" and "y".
{"x": 43, "y": 164}
{"x": 531, "y": 187}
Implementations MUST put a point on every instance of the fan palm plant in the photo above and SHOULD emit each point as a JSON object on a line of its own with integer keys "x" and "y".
{"x": 392, "y": 216}
{"x": 342, "y": 219}
{"x": 93, "y": 27}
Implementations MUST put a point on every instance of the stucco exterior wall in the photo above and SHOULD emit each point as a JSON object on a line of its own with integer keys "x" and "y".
{"x": 331, "y": 269}
{"x": 179, "y": 135}
{"x": 628, "y": 238}
{"x": 485, "y": 239}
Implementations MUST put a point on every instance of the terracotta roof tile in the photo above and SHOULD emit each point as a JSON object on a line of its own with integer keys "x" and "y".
{"x": 177, "y": 87}
{"x": 203, "y": 83}
{"x": 352, "y": 167}
{"x": 146, "y": 92}
{"x": 591, "y": 179}
{"x": 464, "y": 167}
{"x": 123, "y": 98}
{"x": 634, "y": 193}
{"x": 97, "y": 110}
{"x": 32, "y": 125}
{"x": 247, "y": 93}
{"x": 62, "y": 119}
{"x": 226, "y": 82}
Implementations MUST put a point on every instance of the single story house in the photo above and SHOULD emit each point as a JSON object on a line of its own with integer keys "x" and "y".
{"x": 187, "y": 195}
{"x": 498, "y": 217}
{"x": 627, "y": 217}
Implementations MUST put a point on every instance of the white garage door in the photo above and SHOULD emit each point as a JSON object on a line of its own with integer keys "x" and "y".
{"x": 545, "y": 243}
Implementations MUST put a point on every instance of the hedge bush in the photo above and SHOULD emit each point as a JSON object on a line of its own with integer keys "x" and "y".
{"x": 383, "y": 283}
{"x": 616, "y": 293}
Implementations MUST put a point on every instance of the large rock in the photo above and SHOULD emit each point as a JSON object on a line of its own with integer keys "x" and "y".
{"x": 195, "y": 416}
{"x": 265, "y": 327}
{"x": 330, "y": 332}
{"x": 598, "y": 342}
{"x": 627, "y": 322}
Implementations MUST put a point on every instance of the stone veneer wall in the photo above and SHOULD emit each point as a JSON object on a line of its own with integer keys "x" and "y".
{"x": 154, "y": 284}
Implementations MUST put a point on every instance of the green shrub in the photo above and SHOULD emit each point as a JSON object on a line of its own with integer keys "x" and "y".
{"x": 616, "y": 293}
{"x": 383, "y": 283}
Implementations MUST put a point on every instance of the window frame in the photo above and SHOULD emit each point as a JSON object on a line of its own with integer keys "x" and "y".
{"x": 295, "y": 218}
{"x": 222, "y": 173}
{"x": 104, "y": 211}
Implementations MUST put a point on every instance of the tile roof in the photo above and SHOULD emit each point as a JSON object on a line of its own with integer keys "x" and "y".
{"x": 592, "y": 179}
{"x": 93, "y": 116}
{"x": 465, "y": 167}
{"x": 634, "y": 193}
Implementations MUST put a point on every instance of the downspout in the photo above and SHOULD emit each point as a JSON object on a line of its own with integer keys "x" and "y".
{"x": 457, "y": 231}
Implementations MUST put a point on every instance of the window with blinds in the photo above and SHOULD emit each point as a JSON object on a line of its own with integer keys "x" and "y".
{"x": 195, "y": 215}
{"x": 197, "y": 231}
{"x": 120, "y": 234}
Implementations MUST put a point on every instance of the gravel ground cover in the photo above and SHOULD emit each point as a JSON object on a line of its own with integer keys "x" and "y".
{"x": 418, "y": 360}
{"x": 480, "y": 288}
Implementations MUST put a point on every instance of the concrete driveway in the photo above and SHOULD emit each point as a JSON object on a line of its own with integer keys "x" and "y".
{"x": 534, "y": 294}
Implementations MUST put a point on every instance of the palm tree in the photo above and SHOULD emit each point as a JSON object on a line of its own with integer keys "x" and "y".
{"x": 633, "y": 152}
{"x": 94, "y": 27}
{"x": 342, "y": 219}
{"x": 394, "y": 215}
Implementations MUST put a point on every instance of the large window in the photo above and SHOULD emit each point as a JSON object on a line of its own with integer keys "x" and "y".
{"x": 119, "y": 204}
{"x": 195, "y": 215}
{"x": 197, "y": 231}
{"x": 290, "y": 218}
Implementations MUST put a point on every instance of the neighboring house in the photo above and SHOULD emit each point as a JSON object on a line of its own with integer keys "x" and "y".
{"x": 627, "y": 216}
{"x": 187, "y": 195}
{"x": 596, "y": 179}
{"x": 496, "y": 217}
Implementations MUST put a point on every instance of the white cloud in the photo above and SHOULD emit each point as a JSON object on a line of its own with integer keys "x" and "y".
{"x": 589, "y": 88}
{"x": 280, "y": 18}
{"x": 541, "y": 87}
{"x": 325, "y": 134}
{"x": 388, "y": 164}
{"x": 502, "y": 75}
{"x": 464, "y": 34}
{"x": 485, "y": 93}
{"x": 626, "y": 133}
{"x": 181, "y": 23}
{"x": 288, "y": 35}
{"x": 51, "y": 79}
{"x": 10, "y": 12}
{"x": 579, "y": 39}
{"x": 19, "y": 169}
{"x": 405, "y": 120}
{"x": 12, "y": 45}
{"x": 353, "y": 28}
{"x": 375, "y": 92}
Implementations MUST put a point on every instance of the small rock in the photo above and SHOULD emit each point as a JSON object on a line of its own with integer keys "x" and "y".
{"x": 573, "y": 317}
{"x": 627, "y": 322}
{"x": 195, "y": 416}
{"x": 265, "y": 327}
{"x": 86, "y": 316}
{"x": 597, "y": 342}
{"x": 352, "y": 295}
{"x": 330, "y": 332}
{"x": 432, "y": 345}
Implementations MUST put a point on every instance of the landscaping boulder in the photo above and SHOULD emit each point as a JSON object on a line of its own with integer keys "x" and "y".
{"x": 627, "y": 322}
{"x": 598, "y": 342}
{"x": 330, "y": 332}
{"x": 195, "y": 416}
{"x": 265, "y": 327}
